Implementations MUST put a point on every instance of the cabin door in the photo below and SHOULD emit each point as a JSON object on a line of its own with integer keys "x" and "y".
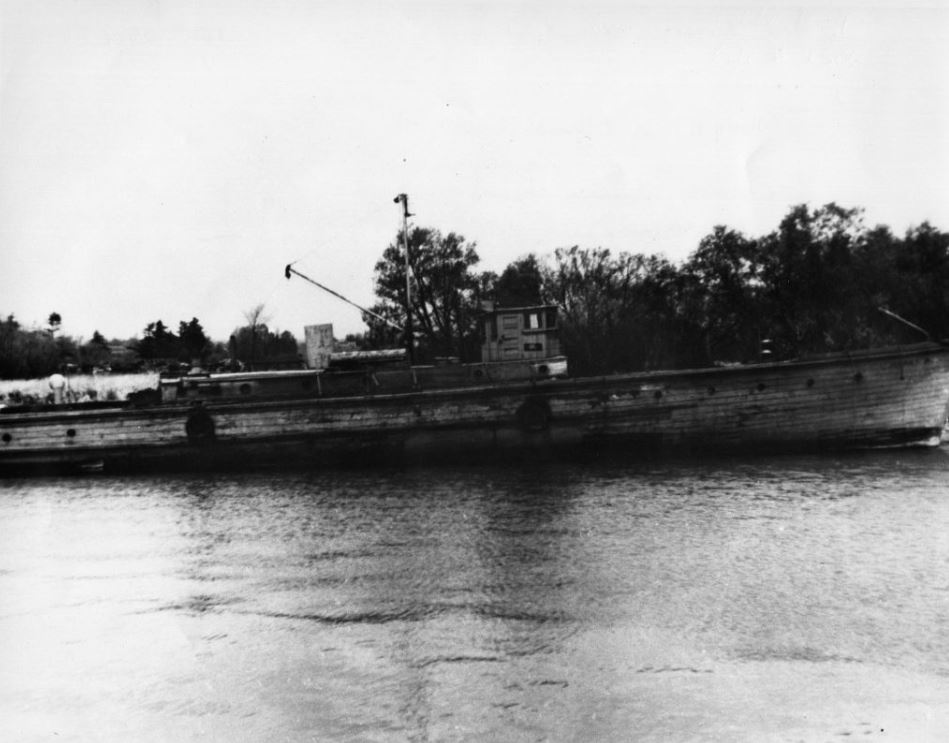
{"x": 509, "y": 340}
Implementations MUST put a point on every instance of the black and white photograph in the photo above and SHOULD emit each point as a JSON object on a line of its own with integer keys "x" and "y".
{"x": 477, "y": 370}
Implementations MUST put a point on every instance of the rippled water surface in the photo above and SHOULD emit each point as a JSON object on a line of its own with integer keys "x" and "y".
{"x": 779, "y": 599}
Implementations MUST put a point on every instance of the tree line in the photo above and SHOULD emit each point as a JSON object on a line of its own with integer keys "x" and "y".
{"x": 814, "y": 284}
{"x": 37, "y": 352}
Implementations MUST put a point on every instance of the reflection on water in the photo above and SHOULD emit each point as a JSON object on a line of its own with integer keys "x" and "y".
{"x": 779, "y": 599}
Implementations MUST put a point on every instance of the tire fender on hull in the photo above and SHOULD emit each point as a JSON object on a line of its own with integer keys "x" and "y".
{"x": 200, "y": 426}
{"x": 533, "y": 415}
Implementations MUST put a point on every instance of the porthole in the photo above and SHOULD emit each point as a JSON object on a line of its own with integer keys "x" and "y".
{"x": 858, "y": 377}
{"x": 71, "y": 433}
{"x": 711, "y": 389}
{"x": 7, "y": 438}
{"x": 760, "y": 387}
{"x": 810, "y": 382}
{"x": 244, "y": 389}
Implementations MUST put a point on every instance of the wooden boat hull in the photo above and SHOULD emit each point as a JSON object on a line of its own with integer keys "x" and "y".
{"x": 890, "y": 397}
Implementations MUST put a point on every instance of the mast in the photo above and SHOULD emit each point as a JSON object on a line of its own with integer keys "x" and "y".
{"x": 409, "y": 340}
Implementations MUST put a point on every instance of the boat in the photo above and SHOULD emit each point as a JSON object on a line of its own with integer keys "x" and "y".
{"x": 519, "y": 400}
{"x": 359, "y": 407}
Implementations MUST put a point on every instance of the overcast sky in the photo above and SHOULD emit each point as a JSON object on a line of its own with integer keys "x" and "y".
{"x": 164, "y": 159}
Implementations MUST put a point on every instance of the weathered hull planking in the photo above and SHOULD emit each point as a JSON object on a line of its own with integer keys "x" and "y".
{"x": 890, "y": 397}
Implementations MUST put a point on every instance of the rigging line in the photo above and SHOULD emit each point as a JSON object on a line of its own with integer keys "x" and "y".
{"x": 329, "y": 238}
{"x": 890, "y": 313}
{"x": 307, "y": 255}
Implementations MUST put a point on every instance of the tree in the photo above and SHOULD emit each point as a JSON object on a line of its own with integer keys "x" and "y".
{"x": 718, "y": 296}
{"x": 96, "y": 352}
{"x": 255, "y": 319}
{"x": 812, "y": 285}
{"x": 9, "y": 342}
{"x": 54, "y": 322}
{"x": 811, "y": 292}
{"x": 445, "y": 292}
{"x": 195, "y": 344}
{"x": 922, "y": 279}
{"x": 520, "y": 284}
{"x": 580, "y": 283}
{"x": 617, "y": 313}
{"x": 29, "y": 353}
{"x": 256, "y": 345}
{"x": 159, "y": 343}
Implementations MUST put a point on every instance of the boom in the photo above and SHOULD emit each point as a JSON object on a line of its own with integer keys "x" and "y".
{"x": 291, "y": 270}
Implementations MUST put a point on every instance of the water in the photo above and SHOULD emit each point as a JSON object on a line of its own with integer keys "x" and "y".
{"x": 782, "y": 599}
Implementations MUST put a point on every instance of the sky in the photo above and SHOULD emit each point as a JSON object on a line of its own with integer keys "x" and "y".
{"x": 164, "y": 159}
